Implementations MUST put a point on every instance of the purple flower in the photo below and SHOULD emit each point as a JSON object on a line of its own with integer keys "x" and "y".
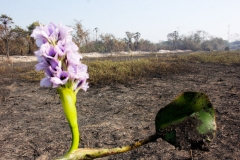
{"x": 60, "y": 48}
{"x": 78, "y": 71}
{"x": 64, "y": 33}
{"x": 59, "y": 79}
{"x": 47, "y": 51}
{"x": 42, "y": 64}
{"x": 45, "y": 82}
{"x": 51, "y": 33}
{"x": 59, "y": 58}
{"x": 40, "y": 35}
{"x": 51, "y": 53}
{"x": 73, "y": 57}
{"x": 63, "y": 47}
{"x": 81, "y": 84}
{"x": 54, "y": 65}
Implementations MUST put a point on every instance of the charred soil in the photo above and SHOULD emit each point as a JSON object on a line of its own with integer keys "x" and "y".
{"x": 33, "y": 125}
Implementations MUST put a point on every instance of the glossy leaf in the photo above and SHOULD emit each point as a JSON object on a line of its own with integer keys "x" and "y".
{"x": 188, "y": 122}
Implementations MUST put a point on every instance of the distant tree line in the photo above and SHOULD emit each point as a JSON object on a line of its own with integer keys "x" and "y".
{"x": 15, "y": 40}
{"x": 196, "y": 41}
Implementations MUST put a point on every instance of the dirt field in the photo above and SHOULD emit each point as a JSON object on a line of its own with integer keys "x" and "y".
{"x": 33, "y": 126}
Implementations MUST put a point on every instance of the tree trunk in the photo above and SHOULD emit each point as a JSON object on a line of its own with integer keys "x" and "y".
{"x": 7, "y": 47}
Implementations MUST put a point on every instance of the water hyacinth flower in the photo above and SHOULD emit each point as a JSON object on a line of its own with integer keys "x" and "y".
{"x": 51, "y": 33}
{"x": 58, "y": 53}
{"x": 58, "y": 57}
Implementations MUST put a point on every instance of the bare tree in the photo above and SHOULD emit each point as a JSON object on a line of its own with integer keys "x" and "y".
{"x": 80, "y": 36}
{"x": 6, "y": 23}
{"x": 31, "y": 44}
{"x": 129, "y": 39}
{"x": 96, "y": 29}
{"x": 127, "y": 43}
{"x": 108, "y": 42}
{"x": 129, "y": 36}
{"x": 146, "y": 45}
{"x": 136, "y": 37}
{"x": 19, "y": 40}
{"x": 173, "y": 39}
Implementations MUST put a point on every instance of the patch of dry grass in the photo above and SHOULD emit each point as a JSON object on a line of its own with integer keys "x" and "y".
{"x": 223, "y": 57}
{"x": 107, "y": 72}
{"x": 20, "y": 71}
{"x": 124, "y": 71}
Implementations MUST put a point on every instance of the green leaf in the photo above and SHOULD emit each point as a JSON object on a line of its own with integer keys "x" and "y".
{"x": 188, "y": 122}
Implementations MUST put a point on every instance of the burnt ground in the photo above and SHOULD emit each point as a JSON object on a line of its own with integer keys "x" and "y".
{"x": 33, "y": 126}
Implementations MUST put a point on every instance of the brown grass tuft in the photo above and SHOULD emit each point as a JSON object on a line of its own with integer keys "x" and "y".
{"x": 125, "y": 70}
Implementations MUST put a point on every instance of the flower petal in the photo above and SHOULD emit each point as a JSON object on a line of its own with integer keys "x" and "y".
{"x": 45, "y": 82}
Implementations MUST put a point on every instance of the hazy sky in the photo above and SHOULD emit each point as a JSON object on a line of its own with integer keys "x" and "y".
{"x": 154, "y": 19}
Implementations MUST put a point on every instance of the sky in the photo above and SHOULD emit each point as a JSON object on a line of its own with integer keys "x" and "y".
{"x": 154, "y": 19}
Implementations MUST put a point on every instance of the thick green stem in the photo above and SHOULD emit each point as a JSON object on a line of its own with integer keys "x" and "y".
{"x": 68, "y": 99}
{"x": 90, "y": 153}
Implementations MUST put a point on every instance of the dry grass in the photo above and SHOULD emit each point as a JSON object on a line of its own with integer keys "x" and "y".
{"x": 20, "y": 71}
{"x": 227, "y": 57}
{"x": 108, "y": 72}
{"x": 124, "y": 71}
